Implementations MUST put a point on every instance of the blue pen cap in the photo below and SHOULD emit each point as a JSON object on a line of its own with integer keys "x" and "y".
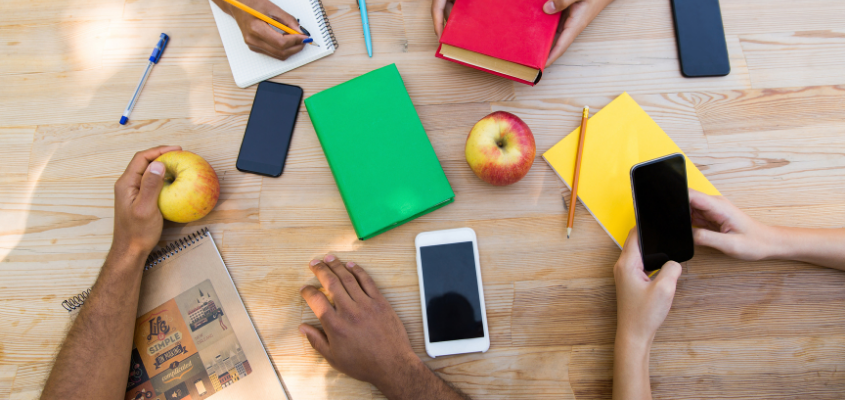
{"x": 157, "y": 52}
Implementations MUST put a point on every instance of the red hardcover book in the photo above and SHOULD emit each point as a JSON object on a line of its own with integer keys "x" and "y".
{"x": 509, "y": 38}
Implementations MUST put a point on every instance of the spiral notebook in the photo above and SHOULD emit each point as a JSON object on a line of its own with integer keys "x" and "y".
{"x": 193, "y": 336}
{"x": 249, "y": 67}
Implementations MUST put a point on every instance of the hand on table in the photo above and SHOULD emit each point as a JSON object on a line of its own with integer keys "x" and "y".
{"x": 720, "y": 225}
{"x": 364, "y": 337}
{"x": 575, "y": 16}
{"x": 137, "y": 219}
{"x": 260, "y": 36}
{"x": 642, "y": 303}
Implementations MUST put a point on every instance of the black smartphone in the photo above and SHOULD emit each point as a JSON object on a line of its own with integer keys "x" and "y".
{"x": 661, "y": 205}
{"x": 269, "y": 129}
{"x": 701, "y": 38}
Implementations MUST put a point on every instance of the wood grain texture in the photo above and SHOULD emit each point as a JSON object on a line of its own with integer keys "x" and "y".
{"x": 52, "y": 47}
{"x": 15, "y": 146}
{"x": 769, "y": 136}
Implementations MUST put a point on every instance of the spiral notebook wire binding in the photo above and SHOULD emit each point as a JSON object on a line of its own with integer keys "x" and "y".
{"x": 155, "y": 258}
{"x": 326, "y": 28}
{"x": 76, "y": 301}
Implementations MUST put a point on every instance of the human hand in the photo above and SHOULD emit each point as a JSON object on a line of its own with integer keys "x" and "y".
{"x": 364, "y": 337}
{"x": 440, "y": 10}
{"x": 575, "y": 16}
{"x": 720, "y": 225}
{"x": 137, "y": 219}
{"x": 260, "y": 36}
{"x": 641, "y": 303}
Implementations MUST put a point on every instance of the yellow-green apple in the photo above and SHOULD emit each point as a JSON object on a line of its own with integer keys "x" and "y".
{"x": 190, "y": 187}
{"x": 500, "y": 148}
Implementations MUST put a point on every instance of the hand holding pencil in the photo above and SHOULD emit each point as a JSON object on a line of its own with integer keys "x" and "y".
{"x": 258, "y": 34}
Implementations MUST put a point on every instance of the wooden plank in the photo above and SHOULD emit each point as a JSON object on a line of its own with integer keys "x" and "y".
{"x": 102, "y": 94}
{"x": 809, "y": 58}
{"x": 29, "y": 380}
{"x": 310, "y": 377}
{"x": 15, "y": 146}
{"x": 39, "y": 11}
{"x": 419, "y": 28}
{"x": 194, "y": 39}
{"x": 428, "y": 80}
{"x": 386, "y": 29}
{"x": 52, "y": 46}
{"x": 641, "y": 66}
{"x": 7, "y": 378}
{"x": 749, "y": 304}
{"x": 790, "y": 368}
{"x": 536, "y": 373}
{"x": 136, "y": 10}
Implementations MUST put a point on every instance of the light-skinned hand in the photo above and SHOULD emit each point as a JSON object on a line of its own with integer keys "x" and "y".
{"x": 719, "y": 224}
{"x": 440, "y": 10}
{"x": 259, "y": 36}
{"x": 137, "y": 219}
{"x": 575, "y": 15}
{"x": 641, "y": 303}
{"x": 364, "y": 337}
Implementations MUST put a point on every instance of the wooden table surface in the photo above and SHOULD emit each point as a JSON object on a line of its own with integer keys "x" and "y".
{"x": 770, "y": 136}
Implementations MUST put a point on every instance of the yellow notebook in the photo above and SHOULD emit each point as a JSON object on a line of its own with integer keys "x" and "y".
{"x": 618, "y": 137}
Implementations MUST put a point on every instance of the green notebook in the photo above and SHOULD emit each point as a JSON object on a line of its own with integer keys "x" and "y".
{"x": 379, "y": 153}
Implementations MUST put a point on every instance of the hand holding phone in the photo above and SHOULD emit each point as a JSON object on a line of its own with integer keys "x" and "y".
{"x": 662, "y": 208}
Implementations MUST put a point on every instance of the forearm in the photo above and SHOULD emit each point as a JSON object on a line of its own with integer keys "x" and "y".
{"x": 94, "y": 360}
{"x": 630, "y": 369}
{"x": 416, "y": 382}
{"x": 825, "y": 247}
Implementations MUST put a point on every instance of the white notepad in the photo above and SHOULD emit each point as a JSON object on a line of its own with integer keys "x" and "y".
{"x": 249, "y": 67}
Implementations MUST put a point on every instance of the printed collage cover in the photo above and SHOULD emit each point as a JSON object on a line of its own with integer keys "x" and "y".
{"x": 185, "y": 349}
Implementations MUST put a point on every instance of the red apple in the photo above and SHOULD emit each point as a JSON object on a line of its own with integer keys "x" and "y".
{"x": 191, "y": 188}
{"x": 500, "y": 148}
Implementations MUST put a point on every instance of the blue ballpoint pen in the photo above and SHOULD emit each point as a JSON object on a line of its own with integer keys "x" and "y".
{"x": 363, "y": 6}
{"x": 162, "y": 43}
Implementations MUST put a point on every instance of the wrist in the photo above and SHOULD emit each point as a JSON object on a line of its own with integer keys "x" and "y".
{"x": 126, "y": 254}
{"x": 779, "y": 246}
{"x": 399, "y": 380}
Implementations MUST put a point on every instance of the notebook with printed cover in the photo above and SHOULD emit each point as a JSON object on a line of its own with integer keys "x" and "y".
{"x": 511, "y": 39}
{"x": 619, "y": 136}
{"x": 382, "y": 161}
{"x": 193, "y": 336}
{"x": 249, "y": 67}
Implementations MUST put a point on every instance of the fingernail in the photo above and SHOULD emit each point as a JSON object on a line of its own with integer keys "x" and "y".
{"x": 303, "y": 287}
{"x": 329, "y": 258}
{"x": 549, "y": 7}
{"x": 302, "y": 330}
{"x": 350, "y": 265}
{"x": 157, "y": 168}
{"x": 314, "y": 262}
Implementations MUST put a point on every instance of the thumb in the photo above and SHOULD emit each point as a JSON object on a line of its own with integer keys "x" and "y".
{"x": 669, "y": 274}
{"x": 717, "y": 240}
{"x": 317, "y": 339}
{"x": 556, "y": 6}
{"x": 151, "y": 184}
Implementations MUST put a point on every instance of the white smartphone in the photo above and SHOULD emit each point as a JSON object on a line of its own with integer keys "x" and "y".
{"x": 454, "y": 317}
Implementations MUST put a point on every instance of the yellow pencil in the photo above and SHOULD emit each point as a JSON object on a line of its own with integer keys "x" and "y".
{"x": 249, "y": 10}
{"x": 653, "y": 272}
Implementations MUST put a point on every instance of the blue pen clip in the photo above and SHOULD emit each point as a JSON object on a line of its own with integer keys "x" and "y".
{"x": 159, "y": 50}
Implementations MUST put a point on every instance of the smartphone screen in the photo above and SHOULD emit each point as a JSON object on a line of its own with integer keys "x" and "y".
{"x": 701, "y": 38}
{"x": 269, "y": 129}
{"x": 453, "y": 305}
{"x": 661, "y": 203}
